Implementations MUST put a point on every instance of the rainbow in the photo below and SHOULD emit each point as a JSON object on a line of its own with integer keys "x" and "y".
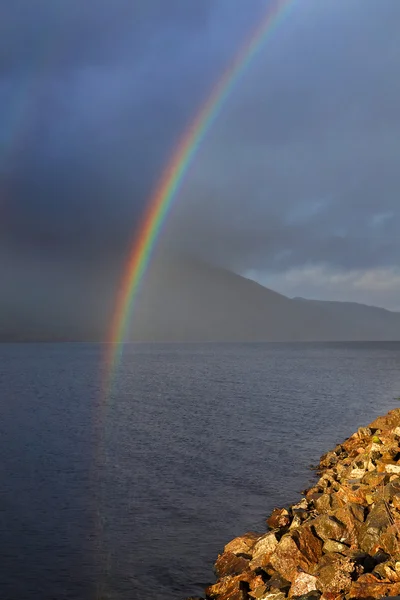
{"x": 172, "y": 178}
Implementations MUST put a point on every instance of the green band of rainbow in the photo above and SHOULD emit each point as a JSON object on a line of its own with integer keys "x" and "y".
{"x": 166, "y": 191}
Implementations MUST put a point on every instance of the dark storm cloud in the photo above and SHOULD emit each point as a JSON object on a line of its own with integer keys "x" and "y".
{"x": 94, "y": 96}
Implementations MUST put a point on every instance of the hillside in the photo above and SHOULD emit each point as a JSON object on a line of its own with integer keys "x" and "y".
{"x": 188, "y": 300}
{"x": 182, "y": 300}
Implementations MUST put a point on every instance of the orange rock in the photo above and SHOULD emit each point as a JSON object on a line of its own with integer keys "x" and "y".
{"x": 228, "y": 588}
{"x": 346, "y": 515}
{"x": 375, "y": 525}
{"x": 334, "y": 573}
{"x": 234, "y": 587}
{"x": 263, "y": 550}
{"x": 389, "y": 421}
{"x": 368, "y": 586}
{"x": 323, "y": 504}
{"x": 389, "y": 540}
{"x": 303, "y": 583}
{"x": 299, "y": 549}
{"x": 230, "y": 564}
{"x": 353, "y": 493}
{"x": 257, "y": 587}
{"x": 329, "y": 528}
{"x": 279, "y": 518}
{"x": 374, "y": 479}
{"x": 243, "y": 544}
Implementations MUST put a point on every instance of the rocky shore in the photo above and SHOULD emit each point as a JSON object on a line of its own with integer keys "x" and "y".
{"x": 341, "y": 541}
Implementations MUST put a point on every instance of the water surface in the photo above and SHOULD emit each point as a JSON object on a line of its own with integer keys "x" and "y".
{"x": 133, "y": 496}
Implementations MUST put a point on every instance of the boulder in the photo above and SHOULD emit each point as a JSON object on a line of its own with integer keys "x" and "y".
{"x": 227, "y": 588}
{"x": 389, "y": 421}
{"x": 279, "y": 518}
{"x": 375, "y": 525}
{"x": 387, "y": 570}
{"x": 368, "y": 586}
{"x": 329, "y": 528}
{"x": 389, "y": 541}
{"x": 374, "y": 479}
{"x": 279, "y": 582}
{"x": 298, "y": 549}
{"x": 323, "y": 504}
{"x": 273, "y": 595}
{"x": 263, "y": 550}
{"x": 347, "y": 516}
{"x": 230, "y": 564}
{"x": 334, "y": 573}
{"x": 302, "y": 584}
{"x": 333, "y": 546}
{"x": 243, "y": 545}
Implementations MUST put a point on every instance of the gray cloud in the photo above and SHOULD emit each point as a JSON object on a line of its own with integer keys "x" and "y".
{"x": 300, "y": 170}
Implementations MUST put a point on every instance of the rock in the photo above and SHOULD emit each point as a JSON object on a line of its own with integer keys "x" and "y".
{"x": 296, "y": 522}
{"x": 334, "y": 573}
{"x": 257, "y": 587}
{"x": 389, "y": 421}
{"x": 313, "y": 493}
{"x": 279, "y": 518}
{"x": 273, "y": 595}
{"x": 374, "y": 479}
{"x": 346, "y": 516}
{"x": 368, "y": 586}
{"x": 387, "y": 570}
{"x": 389, "y": 541}
{"x": 243, "y": 545}
{"x": 328, "y": 528}
{"x": 279, "y": 582}
{"x": 263, "y": 550}
{"x": 299, "y": 549}
{"x": 364, "y": 432}
{"x": 310, "y": 596}
{"x": 308, "y": 544}
{"x": 302, "y": 584}
{"x": 287, "y": 558}
{"x": 357, "y": 473}
{"x": 259, "y": 592}
{"x": 302, "y": 505}
{"x": 227, "y": 588}
{"x": 353, "y": 493}
{"x": 391, "y": 490}
{"x": 328, "y": 460}
{"x": 234, "y": 587}
{"x": 230, "y": 564}
{"x": 333, "y": 546}
{"x": 392, "y": 468}
{"x": 375, "y": 524}
{"x": 323, "y": 504}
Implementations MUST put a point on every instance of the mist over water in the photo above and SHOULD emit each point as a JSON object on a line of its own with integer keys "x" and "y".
{"x": 198, "y": 443}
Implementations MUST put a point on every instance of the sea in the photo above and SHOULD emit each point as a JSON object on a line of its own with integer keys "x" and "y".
{"x": 130, "y": 491}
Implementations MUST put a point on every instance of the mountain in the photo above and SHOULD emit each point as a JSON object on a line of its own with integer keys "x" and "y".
{"x": 181, "y": 300}
{"x": 186, "y": 300}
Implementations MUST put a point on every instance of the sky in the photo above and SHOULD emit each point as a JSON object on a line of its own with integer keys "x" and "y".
{"x": 296, "y": 185}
